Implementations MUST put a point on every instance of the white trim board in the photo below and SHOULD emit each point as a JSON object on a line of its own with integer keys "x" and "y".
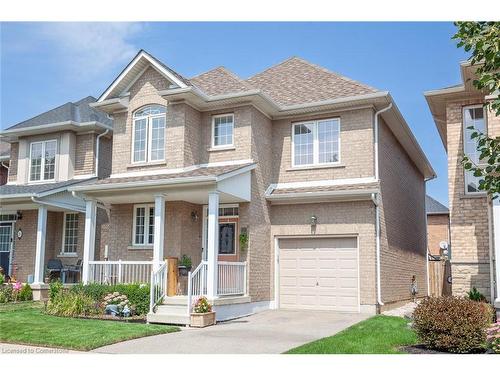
{"x": 321, "y": 183}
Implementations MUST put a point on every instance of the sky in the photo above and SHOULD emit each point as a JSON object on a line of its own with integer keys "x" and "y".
{"x": 44, "y": 65}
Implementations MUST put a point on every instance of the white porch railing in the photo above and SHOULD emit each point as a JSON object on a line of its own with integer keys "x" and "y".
{"x": 197, "y": 283}
{"x": 232, "y": 278}
{"x": 158, "y": 286}
{"x": 120, "y": 272}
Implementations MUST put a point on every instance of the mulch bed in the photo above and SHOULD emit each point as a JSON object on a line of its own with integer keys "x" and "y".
{"x": 422, "y": 349}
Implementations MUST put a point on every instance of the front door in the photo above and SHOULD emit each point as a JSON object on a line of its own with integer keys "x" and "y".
{"x": 6, "y": 242}
{"x": 228, "y": 232}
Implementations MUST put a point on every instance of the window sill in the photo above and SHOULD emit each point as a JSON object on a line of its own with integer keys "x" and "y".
{"x": 306, "y": 167}
{"x": 473, "y": 195}
{"x": 225, "y": 148}
{"x": 67, "y": 255}
{"x": 147, "y": 164}
{"x": 140, "y": 247}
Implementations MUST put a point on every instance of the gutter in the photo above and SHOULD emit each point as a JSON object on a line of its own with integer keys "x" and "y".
{"x": 377, "y": 246}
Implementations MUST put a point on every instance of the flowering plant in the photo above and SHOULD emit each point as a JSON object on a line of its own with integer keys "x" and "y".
{"x": 202, "y": 306}
{"x": 115, "y": 298}
{"x": 493, "y": 337}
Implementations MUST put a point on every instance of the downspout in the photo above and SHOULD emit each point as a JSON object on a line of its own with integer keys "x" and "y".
{"x": 97, "y": 151}
{"x": 490, "y": 252}
{"x": 376, "y": 203}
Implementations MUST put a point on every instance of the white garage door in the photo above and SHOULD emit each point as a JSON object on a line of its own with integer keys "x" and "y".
{"x": 319, "y": 274}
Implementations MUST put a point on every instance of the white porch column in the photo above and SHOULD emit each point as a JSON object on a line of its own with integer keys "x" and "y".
{"x": 40, "y": 245}
{"x": 89, "y": 238}
{"x": 159, "y": 231}
{"x": 212, "y": 243}
{"x": 496, "y": 238}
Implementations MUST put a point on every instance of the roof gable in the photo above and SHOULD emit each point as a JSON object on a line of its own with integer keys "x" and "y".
{"x": 296, "y": 81}
{"x": 139, "y": 64}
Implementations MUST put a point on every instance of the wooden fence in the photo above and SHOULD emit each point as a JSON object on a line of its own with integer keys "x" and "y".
{"x": 440, "y": 278}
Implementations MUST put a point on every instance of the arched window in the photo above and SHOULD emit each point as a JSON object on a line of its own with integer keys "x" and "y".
{"x": 149, "y": 134}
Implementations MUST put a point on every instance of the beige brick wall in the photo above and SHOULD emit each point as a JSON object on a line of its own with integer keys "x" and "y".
{"x": 105, "y": 156}
{"x": 438, "y": 229}
{"x": 342, "y": 218}
{"x": 182, "y": 235}
{"x": 242, "y": 135}
{"x": 402, "y": 218}
{"x": 85, "y": 154}
{"x": 468, "y": 214}
{"x": 356, "y": 143}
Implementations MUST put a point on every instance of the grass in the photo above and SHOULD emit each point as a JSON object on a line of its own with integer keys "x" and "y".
{"x": 378, "y": 335}
{"x": 25, "y": 323}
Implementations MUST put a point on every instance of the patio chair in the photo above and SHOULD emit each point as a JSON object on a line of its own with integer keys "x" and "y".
{"x": 75, "y": 270}
{"x": 56, "y": 266}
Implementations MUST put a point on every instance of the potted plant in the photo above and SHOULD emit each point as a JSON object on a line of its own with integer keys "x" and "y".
{"x": 185, "y": 265}
{"x": 202, "y": 315}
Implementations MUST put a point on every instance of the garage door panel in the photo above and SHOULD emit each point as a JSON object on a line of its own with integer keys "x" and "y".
{"x": 319, "y": 274}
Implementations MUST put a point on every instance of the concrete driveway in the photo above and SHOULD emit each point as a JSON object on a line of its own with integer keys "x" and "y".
{"x": 272, "y": 331}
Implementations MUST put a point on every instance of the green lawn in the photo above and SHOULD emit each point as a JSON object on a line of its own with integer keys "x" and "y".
{"x": 378, "y": 335}
{"x": 25, "y": 323}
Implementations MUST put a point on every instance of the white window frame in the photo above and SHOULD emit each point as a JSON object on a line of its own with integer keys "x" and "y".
{"x": 315, "y": 162}
{"x": 213, "y": 132}
{"x": 465, "y": 108}
{"x": 146, "y": 207}
{"x": 149, "y": 135}
{"x": 63, "y": 246}
{"x": 42, "y": 165}
{"x": 204, "y": 234}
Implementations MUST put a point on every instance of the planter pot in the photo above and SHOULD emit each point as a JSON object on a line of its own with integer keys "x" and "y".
{"x": 183, "y": 270}
{"x": 201, "y": 320}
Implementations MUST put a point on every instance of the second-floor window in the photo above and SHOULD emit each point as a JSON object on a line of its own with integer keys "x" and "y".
{"x": 149, "y": 134}
{"x": 473, "y": 116}
{"x": 316, "y": 142}
{"x": 223, "y": 131}
{"x": 43, "y": 160}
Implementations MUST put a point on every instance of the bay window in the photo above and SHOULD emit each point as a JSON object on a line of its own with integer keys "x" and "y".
{"x": 43, "y": 160}
{"x": 472, "y": 116}
{"x": 316, "y": 142}
{"x": 149, "y": 134}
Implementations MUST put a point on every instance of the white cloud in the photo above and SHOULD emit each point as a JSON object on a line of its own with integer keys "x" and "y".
{"x": 89, "y": 50}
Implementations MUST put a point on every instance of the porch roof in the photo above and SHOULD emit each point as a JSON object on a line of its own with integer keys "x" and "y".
{"x": 322, "y": 193}
{"x": 37, "y": 190}
{"x": 189, "y": 184}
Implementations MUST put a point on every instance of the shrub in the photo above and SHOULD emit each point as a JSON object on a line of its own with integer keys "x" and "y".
{"x": 475, "y": 295}
{"x": 453, "y": 324}
{"x": 55, "y": 289}
{"x": 493, "y": 337}
{"x": 72, "y": 304}
{"x": 137, "y": 294}
{"x": 6, "y": 293}
{"x": 2, "y": 279}
{"x": 25, "y": 293}
{"x": 202, "y": 306}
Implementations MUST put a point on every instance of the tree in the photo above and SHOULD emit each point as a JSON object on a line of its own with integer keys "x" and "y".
{"x": 482, "y": 39}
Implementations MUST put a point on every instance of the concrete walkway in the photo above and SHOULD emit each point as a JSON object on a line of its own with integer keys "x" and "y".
{"x": 272, "y": 331}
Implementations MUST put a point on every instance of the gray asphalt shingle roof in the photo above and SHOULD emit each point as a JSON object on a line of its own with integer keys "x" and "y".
{"x": 432, "y": 206}
{"x": 6, "y": 190}
{"x": 79, "y": 111}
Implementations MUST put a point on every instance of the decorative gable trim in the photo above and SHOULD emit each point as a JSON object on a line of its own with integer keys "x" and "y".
{"x": 141, "y": 58}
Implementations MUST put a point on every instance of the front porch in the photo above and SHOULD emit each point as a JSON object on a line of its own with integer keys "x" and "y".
{"x": 150, "y": 223}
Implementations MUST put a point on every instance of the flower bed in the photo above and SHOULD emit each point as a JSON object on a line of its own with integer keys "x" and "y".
{"x": 15, "y": 292}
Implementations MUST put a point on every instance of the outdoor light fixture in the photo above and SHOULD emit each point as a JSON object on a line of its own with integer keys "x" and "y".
{"x": 313, "y": 220}
{"x": 194, "y": 216}
{"x": 19, "y": 215}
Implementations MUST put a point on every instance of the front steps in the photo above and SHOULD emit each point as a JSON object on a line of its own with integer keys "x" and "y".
{"x": 174, "y": 309}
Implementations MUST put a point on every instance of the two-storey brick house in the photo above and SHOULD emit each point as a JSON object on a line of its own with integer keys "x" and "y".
{"x": 474, "y": 218}
{"x": 295, "y": 188}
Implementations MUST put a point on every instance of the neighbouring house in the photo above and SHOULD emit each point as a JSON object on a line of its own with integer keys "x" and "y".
{"x": 295, "y": 188}
{"x": 438, "y": 226}
{"x": 474, "y": 217}
{"x": 4, "y": 162}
